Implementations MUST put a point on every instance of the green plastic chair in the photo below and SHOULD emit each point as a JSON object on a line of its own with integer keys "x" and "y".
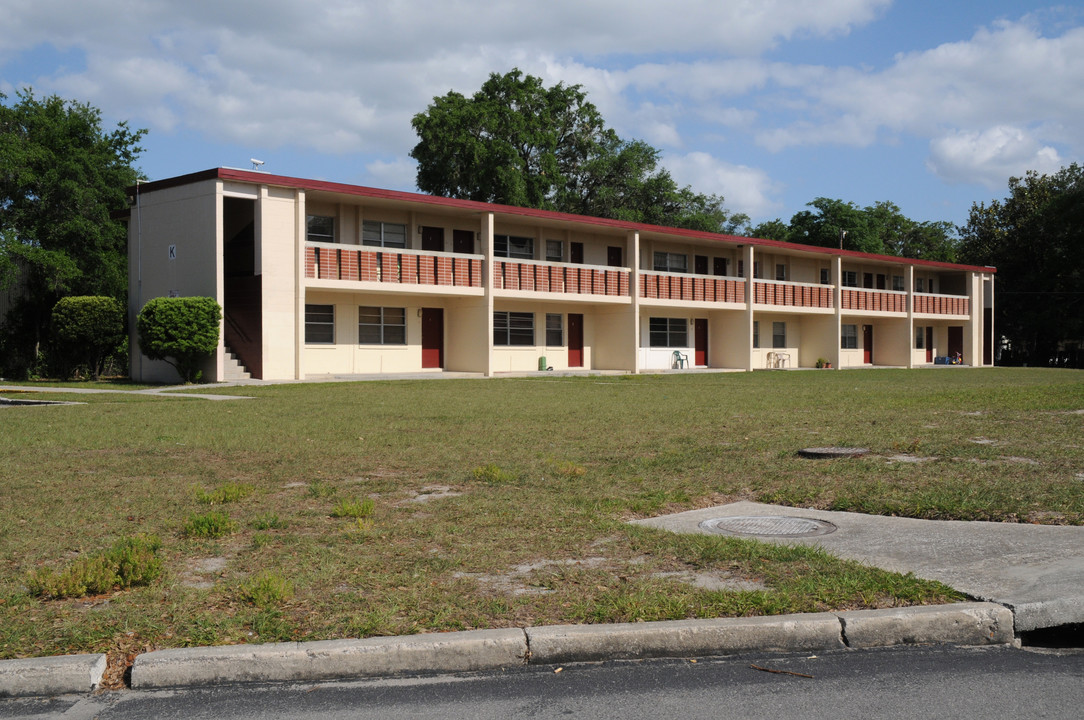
{"x": 680, "y": 359}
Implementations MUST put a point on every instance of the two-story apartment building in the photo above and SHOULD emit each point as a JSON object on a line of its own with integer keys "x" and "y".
{"x": 319, "y": 278}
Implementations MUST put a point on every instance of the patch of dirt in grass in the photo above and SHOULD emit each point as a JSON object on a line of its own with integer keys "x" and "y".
{"x": 982, "y": 441}
{"x": 713, "y": 581}
{"x": 433, "y": 492}
{"x": 1042, "y": 517}
{"x": 908, "y": 458}
{"x": 198, "y": 570}
{"x": 1018, "y": 460}
{"x": 516, "y": 580}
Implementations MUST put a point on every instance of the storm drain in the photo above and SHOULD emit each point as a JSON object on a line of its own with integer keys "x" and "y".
{"x": 768, "y": 525}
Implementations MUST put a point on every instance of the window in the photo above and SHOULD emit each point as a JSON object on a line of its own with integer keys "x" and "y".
{"x": 897, "y": 283}
{"x": 554, "y": 334}
{"x": 850, "y": 278}
{"x": 513, "y": 328}
{"x": 320, "y": 228}
{"x": 779, "y": 334}
{"x": 553, "y": 251}
{"x": 382, "y": 234}
{"x": 920, "y": 284}
{"x": 848, "y": 337}
{"x": 780, "y": 272}
{"x": 668, "y": 332}
{"x": 756, "y": 269}
{"x": 920, "y": 339}
{"x": 826, "y": 276}
{"x": 320, "y": 324}
{"x": 671, "y": 262}
{"x": 381, "y": 326}
{"x": 741, "y": 268}
{"x": 510, "y": 246}
{"x": 756, "y": 333}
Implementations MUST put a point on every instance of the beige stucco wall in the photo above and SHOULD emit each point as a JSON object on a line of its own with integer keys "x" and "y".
{"x": 280, "y": 227}
{"x": 189, "y": 218}
{"x": 728, "y": 341}
{"x": 613, "y": 332}
{"x": 794, "y": 339}
{"x": 818, "y": 340}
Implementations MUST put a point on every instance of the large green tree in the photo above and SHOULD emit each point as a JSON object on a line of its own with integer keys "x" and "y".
{"x": 879, "y": 228}
{"x": 517, "y": 142}
{"x": 62, "y": 175}
{"x": 1035, "y": 238}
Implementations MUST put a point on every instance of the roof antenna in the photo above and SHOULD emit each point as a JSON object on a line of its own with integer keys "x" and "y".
{"x": 256, "y": 163}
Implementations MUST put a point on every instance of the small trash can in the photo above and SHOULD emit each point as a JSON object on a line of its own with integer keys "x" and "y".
{"x": 542, "y": 363}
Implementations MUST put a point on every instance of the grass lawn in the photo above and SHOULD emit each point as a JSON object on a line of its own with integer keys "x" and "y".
{"x": 353, "y": 509}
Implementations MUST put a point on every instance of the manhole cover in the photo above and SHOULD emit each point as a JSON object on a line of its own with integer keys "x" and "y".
{"x": 768, "y": 525}
{"x": 833, "y": 452}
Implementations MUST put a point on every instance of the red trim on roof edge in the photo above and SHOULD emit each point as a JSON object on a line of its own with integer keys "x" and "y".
{"x": 264, "y": 178}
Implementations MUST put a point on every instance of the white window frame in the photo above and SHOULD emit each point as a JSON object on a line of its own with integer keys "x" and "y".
{"x": 669, "y": 262}
{"x": 779, "y": 335}
{"x": 319, "y": 236}
{"x": 515, "y": 247}
{"x": 848, "y": 336}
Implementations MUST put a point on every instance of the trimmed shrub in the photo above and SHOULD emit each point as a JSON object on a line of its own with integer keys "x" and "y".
{"x": 184, "y": 329}
{"x": 86, "y": 330}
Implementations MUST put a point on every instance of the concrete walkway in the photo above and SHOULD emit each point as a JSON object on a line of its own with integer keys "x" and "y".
{"x": 1035, "y": 570}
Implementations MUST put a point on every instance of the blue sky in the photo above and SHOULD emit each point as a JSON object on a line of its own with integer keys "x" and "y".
{"x": 931, "y": 105}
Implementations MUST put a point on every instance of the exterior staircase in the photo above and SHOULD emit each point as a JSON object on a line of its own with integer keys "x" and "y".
{"x": 232, "y": 367}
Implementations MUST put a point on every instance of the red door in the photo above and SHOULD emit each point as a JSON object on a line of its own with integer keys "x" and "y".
{"x": 700, "y": 340}
{"x": 867, "y": 344}
{"x": 575, "y": 340}
{"x": 929, "y": 344}
{"x": 432, "y": 337}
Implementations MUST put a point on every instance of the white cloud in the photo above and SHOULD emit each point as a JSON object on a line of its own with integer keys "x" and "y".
{"x": 990, "y": 157}
{"x": 398, "y": 173}
{"x": 744, "y": 189}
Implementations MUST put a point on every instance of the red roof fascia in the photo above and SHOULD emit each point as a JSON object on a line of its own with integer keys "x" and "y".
{"x": 252, "y": 176}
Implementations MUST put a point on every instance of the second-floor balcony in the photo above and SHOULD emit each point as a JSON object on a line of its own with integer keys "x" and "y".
{"x": 563, "y": 278}
{"x": 793, "y": 294}
{"x": 327, "y": 261}
{"x": 932, "y": 304}
{"x": 691, "y": 288}
{"x": 866, "y": 300}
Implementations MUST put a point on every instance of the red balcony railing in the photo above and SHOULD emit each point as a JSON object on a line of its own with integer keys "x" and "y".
{"x": 942, "y": 304}
{"x": 406, "y": 267}
{"x": 874, "y": 300}
{"x": 695, "y": 288}
{"x": 560, "y": 278}
{"x": 792, "y": 294}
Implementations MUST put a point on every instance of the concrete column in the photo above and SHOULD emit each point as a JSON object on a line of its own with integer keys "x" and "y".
{"x": 909, "y": 279}
{"x": 632, "y": 243}
{"x": 487, "y": 251}
{"x": 837, "y": 302}
{"x": 748, "y": 261}
{"x": 300, "y": 234}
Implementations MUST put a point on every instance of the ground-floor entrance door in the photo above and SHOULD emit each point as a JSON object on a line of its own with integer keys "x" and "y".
{"x": 867, "y": 344}
{"x": 956, "y": 341}
{"x": 432, "y": 337}
{"x": 575, "y": 340}
{"x": 700, "y": 342}
{"x": 929, "y": 344}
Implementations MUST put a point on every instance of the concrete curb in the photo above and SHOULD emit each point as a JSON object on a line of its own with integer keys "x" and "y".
{"x": 977, "y": 623}
{"x": 819, "y": 632}
{"x": 51, "y": 675}
{"x": 329, "y": 659}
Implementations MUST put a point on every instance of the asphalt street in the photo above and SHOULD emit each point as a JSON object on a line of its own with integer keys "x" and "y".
{"x": 952, "y": 682}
